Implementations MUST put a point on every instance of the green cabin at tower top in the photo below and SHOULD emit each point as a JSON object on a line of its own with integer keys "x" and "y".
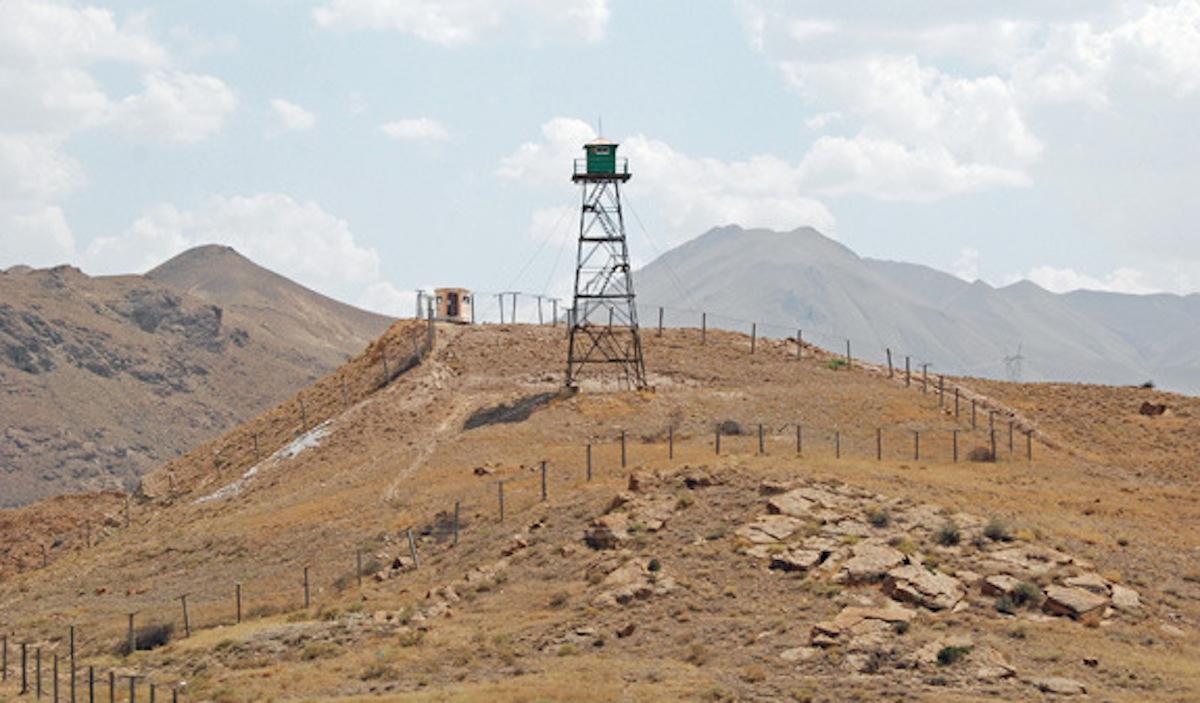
{"x": 601, "y": 157}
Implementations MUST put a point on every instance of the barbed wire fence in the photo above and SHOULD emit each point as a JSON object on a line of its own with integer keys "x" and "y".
{"x": 386, "y": 360}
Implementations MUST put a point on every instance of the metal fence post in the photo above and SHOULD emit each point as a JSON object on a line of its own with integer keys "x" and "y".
{"x": 753, "y": 335}
{"x": 412, "y": 550}
{"x": 703, "y": 328}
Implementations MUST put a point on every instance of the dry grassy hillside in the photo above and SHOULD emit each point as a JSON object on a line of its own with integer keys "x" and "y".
{"x": 822, "y": 575}
{"x": 103, "y": 378}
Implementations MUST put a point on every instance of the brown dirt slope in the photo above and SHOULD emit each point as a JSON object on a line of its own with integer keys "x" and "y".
{"x": 103, "y": 378}
{"x": 657, "y": 589}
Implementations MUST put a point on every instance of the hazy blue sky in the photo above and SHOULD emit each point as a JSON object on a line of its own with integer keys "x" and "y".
{"x": 367, "y": 147}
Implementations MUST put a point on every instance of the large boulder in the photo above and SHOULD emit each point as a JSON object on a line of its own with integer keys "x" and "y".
{"x": 914, "y": 584}
{"x": 869, "y": 563}
{"x": 608, "y": 531}
{"x": 769, "y": 529}
{"x": 1075, "y": 603}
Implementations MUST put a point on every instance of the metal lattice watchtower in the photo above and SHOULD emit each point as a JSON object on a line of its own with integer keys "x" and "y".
{"x": 604, "y": 326}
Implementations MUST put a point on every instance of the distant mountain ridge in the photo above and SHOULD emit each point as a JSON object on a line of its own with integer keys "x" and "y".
{"x": 803, "y": 279}
{"x": 103, "y": 378}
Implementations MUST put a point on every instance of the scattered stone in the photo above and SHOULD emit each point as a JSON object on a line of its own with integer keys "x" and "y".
{"x": 913, "y": 584}
{"x": 800, "y": 559}
{"x": 639, "y": 481}
{"x": 798, "y": 654}
{"x": 632, "y": 581}
{"x": 694, "y": 477}
{"x": 1125, "y": 598}
{"x": 999, "y": 585}
{"x": 767, "y": 529}
{"x": 627, "y": 630}
{"x": 484, "y": 471}
{"x": 859, "y": 621}
{"x": 791, "y": 503}
{"x": 1090, "y": 581}
{"x": 770, "y": 487}
{"x": 869, "y": 563}
{"x": 1061, "y": 686}
{"x": 608, "y": 531}
{"x": 1076, "y": 603}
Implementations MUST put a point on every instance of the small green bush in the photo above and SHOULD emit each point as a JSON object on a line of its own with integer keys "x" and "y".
{"x": 948, "y": 535}
{"x": 997, "y": 531}
{"x": 951, "y": 654}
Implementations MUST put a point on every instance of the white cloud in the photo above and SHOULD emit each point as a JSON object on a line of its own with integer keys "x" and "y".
{"x": 298, "y": 240}
{"x": 291, "y": 116}
{"x": 821, "y": 120}
{"x": 966, "y": 266}
{"x": 691, "y": 194}
{"x": 49, "y": 93}
{"x": 418, "y": 129}
{"x": 1062, "y": 280}
{"x": 176, "y": 107}
{"x": 925, "y": 134}
{"x": 466, "y": 21}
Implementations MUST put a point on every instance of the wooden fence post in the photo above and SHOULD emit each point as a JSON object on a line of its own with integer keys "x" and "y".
{"x": 54, "y": 681}
{"x": 24, "y": 668}
{"x": 500, "y": 489}
{"x": 3, "y": 658}
{"x": 956, "y": 401}
{"x": 837, "y": 445}
{"x": 761, "y": 449}
{"x": 799, "y": 439}
{"x": 412, "y": 550}
{"x": 992, "y": 432}
{"x": 1029, "y": 445}
{"x": 941, "y": 391}
{"x": 954, "y": 442}
{"x": 358, "y": 567}
{"x": 544, "y": 495}
{"x": 891, "y": 371}
{"x": 660, "y": 320}
{"x": 623, "y": 449}
{"x": 112, "y": 686}
{"x": 916, "y": 445}
{"x": 973, "y": 413}
{"x": 753, "y": 335}
{"x": 671, "y": 442}
{"x": 187, "y": 623}
{"x": 237, "y": 597}
{"x": 849, "y": 358}
{"x": 132, "y": 638}
{"x": 91, "y": 684}
{"x": 907, "y": 371}
{"x": 307, "y": 593}
{"x": 878, "y": 444}
{"x": 37, "y": 670}
{"x": 1010, "y": 436}
{"x": 703, "y": 328}
{"x": 589, "y": 461}
{"x": 925, "y": 377}
{"x": 718, "y": 438}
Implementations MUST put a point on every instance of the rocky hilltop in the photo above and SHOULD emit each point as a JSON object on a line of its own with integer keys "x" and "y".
{"x": 102, "y": 378}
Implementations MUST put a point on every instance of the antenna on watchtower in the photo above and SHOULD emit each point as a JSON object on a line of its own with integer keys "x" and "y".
{"x": 604, "y": 325}
{"x": 1012, "y": 364}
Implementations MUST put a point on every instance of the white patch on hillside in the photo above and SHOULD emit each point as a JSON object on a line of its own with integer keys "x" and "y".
{"x": 308, "y": 440}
